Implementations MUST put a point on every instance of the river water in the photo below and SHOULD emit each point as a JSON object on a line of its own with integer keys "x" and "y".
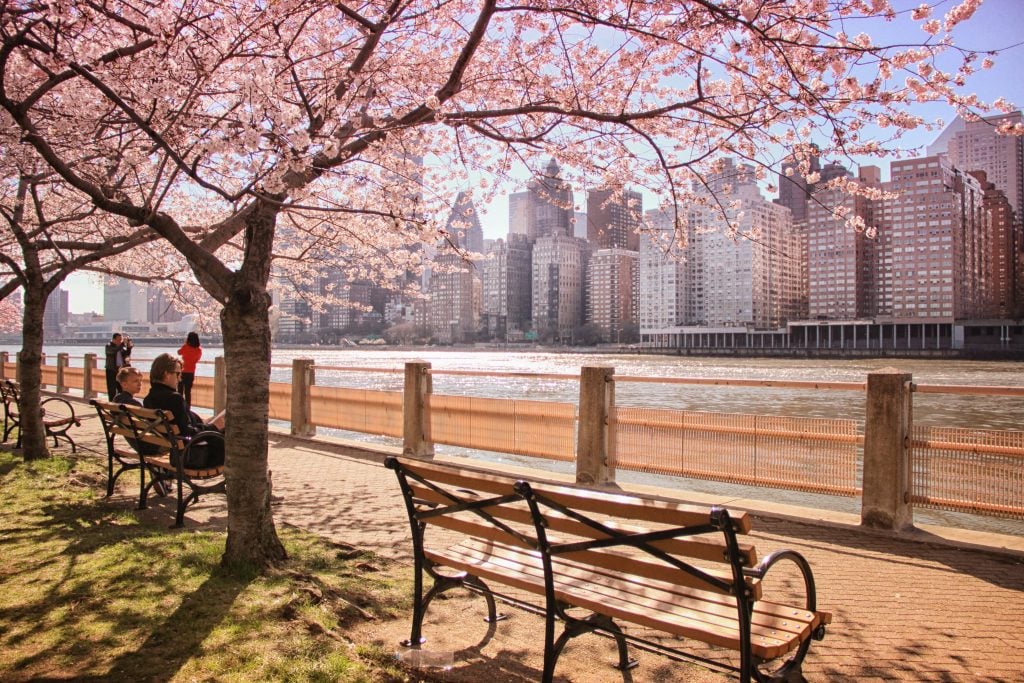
{"x": 978, "y": 412}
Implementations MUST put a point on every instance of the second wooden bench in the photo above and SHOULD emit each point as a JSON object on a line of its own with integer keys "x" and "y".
{"x": 678, "y": 569}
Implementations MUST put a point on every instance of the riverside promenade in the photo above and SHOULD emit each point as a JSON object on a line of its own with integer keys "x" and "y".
{"x": 929, "y": 605}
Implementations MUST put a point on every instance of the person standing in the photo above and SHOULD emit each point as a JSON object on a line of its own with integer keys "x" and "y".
{"x": 117, "y": 350}
{"x": 190, "y": 353}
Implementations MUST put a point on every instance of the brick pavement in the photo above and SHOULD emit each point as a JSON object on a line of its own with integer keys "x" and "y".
{"x": 908, "y": 609}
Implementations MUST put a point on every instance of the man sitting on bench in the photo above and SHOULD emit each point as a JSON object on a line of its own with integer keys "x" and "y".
{"x": 163, "y": 394}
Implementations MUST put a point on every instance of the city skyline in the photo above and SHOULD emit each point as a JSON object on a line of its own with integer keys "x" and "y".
{"x": 996, "y": 24}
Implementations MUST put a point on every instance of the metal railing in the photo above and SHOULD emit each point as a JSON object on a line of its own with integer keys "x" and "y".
{"x": 968, "y": 470}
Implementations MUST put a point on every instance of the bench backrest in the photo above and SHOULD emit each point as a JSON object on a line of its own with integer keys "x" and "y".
{"x": 660, "y": 540}
{"x": 139, "y": 425}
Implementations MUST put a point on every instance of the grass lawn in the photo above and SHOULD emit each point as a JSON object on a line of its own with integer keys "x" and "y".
{"x": 89, "y": 591}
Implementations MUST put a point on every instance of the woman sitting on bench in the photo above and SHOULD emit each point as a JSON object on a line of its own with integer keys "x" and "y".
{"x": 163, "y": 395}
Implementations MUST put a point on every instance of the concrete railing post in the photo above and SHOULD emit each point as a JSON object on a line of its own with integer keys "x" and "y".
{"x": 887, "y": 426}
{"x": 88, "y": 373}
{"x": 415, "y": 415}
{"x": 62, "y": 364}
{"x": 597, "y": 396}
{"x": 302, "y": 408}
{"x": 3, "y": 364}
{"x": 220, "y": 385}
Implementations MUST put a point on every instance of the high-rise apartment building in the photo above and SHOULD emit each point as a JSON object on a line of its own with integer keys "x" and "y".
{"x": 558, "y": 284}
{"x": 665, "y": 276}
{"x": 751, "y": 276}
{"x": 507, "y": 288}
{"x": 999, "y": 262}
{"x": 977, "y": 146}
{"x": 612, "y": 299}
{"x": 454, "y": 310}
{"x": 931, "y": 243}
{"x": 613, "y": 219}
{"x": 841, "y": 260}
{"x": 794, "y": 190}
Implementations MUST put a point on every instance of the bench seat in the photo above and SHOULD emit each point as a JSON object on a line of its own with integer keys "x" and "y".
{"x": 678, "y": 610}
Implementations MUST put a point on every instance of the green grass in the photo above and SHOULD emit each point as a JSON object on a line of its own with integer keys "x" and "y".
{"x": 90, "y": 592}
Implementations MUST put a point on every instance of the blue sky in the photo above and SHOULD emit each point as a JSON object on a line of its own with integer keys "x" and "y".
{"x": 998, "y": 24}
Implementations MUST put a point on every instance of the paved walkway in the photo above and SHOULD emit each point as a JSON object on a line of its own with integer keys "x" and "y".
{"x": 911, "y": 607}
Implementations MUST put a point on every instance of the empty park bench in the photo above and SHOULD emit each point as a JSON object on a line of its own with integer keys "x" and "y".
{"x": 160, "y": 452}
{"x": 58, "y": 414}
{"x": 676, "y": 569}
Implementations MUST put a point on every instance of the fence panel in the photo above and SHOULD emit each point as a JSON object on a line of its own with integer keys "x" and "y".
{"x": 358, "y": 410}
{"x": 202, "y": 392}
{"x": 543, "y": 429}
{"x": 807, "y": 454}
{"x": 968, "y": 470}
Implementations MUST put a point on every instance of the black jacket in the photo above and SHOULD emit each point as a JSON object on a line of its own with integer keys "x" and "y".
{"x": 111, "y": 350}
{"x": 163, "y": 397}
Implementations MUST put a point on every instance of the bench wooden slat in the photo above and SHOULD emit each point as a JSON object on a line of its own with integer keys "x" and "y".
{"x": 647, "y": 510}
{"x": 688, "y": 614}
{"x": 704, "y": 548}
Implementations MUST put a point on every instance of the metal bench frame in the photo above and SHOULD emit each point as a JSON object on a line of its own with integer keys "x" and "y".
{"x": 166, "y": 469}
{"x": 430, "y": 502}
{"x": 55, "y": 423}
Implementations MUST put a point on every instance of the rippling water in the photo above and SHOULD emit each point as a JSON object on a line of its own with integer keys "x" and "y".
{"x": 979, "y": 412}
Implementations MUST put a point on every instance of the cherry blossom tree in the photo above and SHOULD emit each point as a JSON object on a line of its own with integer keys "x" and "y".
{"x": 51, "y": 231}
{"x": 306, "y": 127}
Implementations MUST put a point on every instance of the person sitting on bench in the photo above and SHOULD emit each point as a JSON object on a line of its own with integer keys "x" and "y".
{"x": 163, "y": 395}
{"x": 130, "y": 381}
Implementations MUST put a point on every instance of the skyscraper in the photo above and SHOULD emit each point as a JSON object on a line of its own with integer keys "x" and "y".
{"x": 551, "y": 202}
{"x": 840, "y": 260}
{"x": 463, "y": 225}
{"x": 558, "y": 282}
{"x": 931, "y": 241}
{"x": 794, "y": 190}
{"x": 613, "y": 218}
{"x": 507, "y": 289}
{"x": 611, "y": 302}
{"x": 125, "y": 301}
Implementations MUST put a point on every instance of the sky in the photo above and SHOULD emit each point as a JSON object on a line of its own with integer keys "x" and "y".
{"x": 998, "y": 24}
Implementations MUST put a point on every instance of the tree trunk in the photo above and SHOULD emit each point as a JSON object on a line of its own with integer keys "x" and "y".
{"x": 33, "y": 434}
{"x": 252, "y": 537}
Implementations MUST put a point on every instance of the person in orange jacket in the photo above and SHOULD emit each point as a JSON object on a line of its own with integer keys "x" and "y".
{"x": 190, "y": 353}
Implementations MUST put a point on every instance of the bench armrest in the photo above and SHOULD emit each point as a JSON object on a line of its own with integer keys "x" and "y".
{"x": 767, "y": 563}
{"x": 58, "y": 411}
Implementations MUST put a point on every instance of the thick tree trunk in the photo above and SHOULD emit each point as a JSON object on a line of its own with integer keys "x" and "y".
{"x": 252, "y": 537}
{"x": 33, "y": 434}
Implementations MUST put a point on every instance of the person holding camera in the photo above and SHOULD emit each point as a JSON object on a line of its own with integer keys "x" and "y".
{"x": 117, "y": 352}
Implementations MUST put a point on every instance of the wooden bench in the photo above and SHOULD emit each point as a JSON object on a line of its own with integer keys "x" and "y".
{"x": 160, "y": 452}
{"x": 58, "y": 415}
{"x": 677, "y": 569}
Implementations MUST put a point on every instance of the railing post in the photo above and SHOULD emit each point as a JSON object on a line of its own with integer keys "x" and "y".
{"x": 302, "y": 409}
{"x": 887, "y": 430}
{"x": 3, "y": 364}
{"x": 88, "y": 368}
{"x": 415, "y": 415}
{"x": 220, "y": 385}
{"x": 597, "y": 397}
{"x": 17, "y": 367}
{"x": 62, "y": 363}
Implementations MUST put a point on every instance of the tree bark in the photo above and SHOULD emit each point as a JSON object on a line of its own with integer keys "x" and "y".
{"x": 245, "y": 323}
{"x": 33, "y": 434}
